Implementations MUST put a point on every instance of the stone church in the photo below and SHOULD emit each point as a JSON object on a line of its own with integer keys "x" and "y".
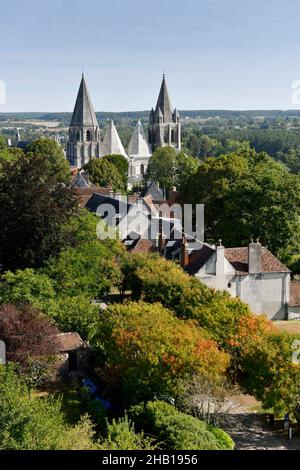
{"x": 84, "y": 134}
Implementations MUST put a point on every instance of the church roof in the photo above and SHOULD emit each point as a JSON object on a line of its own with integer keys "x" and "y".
{"x": 84, "y": 114}
{"x": 112, "y": 143}
{"x": 138, "y": 144}
{"x": 164, "y": 102}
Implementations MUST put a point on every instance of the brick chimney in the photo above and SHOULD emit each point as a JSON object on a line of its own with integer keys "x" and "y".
{"x": 254, "y": 257}
{"x": 184, "y": 255}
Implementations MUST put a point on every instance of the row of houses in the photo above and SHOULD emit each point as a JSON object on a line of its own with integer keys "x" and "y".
{"x": 251, "y": 272}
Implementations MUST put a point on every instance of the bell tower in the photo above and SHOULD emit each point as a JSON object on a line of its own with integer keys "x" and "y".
{"x": 84, "y": 132}
{"x": 165, "y": 127}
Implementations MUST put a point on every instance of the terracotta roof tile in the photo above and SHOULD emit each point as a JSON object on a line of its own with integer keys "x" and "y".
{"x": 238, "y": 257}
{"x": 69, "y": 341}
{"x": 143, "y": 246}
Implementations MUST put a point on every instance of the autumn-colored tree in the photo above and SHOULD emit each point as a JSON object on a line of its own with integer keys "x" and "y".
{"x": 147, "y": 351}
{"x": 27, "y": 333}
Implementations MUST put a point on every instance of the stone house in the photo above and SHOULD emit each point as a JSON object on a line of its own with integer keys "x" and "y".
{"x": 251, "y": 273}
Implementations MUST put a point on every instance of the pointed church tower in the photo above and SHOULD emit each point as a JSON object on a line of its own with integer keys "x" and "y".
{"x": 139, "y": 153}
{"x": 84, "y": 133}
{"x": 112, "y": 143}
{"x": 165, "y": 127}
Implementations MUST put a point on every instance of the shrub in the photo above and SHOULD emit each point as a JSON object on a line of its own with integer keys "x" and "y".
{"x": 121, "y": 435}
{"x": 178, "y": 430}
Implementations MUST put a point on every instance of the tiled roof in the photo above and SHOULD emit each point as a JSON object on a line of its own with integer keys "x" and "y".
{"x": 238, "y": 257}
{"x": 69, "y": 341}
{"x": 198, "y": 258}
{"x": 143, "y": 246}
{"x": 295, "y": 294}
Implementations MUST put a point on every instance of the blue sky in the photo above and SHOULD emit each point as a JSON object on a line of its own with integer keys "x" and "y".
{"x": 217, "y": 54}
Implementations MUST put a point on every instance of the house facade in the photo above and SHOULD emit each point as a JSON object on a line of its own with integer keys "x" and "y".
{"x": 251, "y": 273}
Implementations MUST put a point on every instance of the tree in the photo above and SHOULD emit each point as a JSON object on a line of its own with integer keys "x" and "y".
{"x": 89, "y": 269}
{"x": 27, "y": 334}
{"x": 162, "y": 167}
{"x": 104, "y": 173}
{"x": 146, "y": 351}
{"x": 75, "y": 313}
{"x": 53, "y": 153}
{"x": 26, "y": 287}
{"x": 258, "y": 195}
{"x": 121, "y": 164}
{"x": 34, "y": 206}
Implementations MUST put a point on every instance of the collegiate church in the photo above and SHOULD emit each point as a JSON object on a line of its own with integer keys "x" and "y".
{"x": 85, "y": 142}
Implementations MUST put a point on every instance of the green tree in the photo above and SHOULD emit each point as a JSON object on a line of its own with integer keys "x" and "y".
{"x": 54, "y": 155}
{"x": 105, "y": 173}
{"x": 34, "y": 207}
{"x": 26, "y": 287}
{"x": 75, "y": 313}
{"x": 162, "y": 167}
{"x": 258, "y": 195}
{"x": 89, "y": 269}
{"x": 121, "y": 164}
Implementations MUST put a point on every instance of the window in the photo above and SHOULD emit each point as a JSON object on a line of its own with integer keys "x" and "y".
{"x": 142, "y": 169}
{"x": 172, "y": 135}
{"x": 88, "y": 136}
{"x": 77, "y": 136}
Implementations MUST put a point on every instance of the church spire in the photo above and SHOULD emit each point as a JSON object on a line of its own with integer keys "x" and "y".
{"x": 83, "y": 114}
{"x": 164, "y": 102}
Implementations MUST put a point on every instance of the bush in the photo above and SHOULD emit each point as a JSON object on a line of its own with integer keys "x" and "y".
{"x": 121, "y": 435}
{"x": 178, "y": 430}
{"x": 28, "y": 423}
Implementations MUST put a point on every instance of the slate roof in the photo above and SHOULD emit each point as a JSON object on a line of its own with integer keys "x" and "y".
{"x": 294, "y": 294}
{"x": 164, "y": 105}
{"x": 155, "y": 192}
{"x": 112, "y": 143}
{"x": 83, "y": 114}
{"x": 121, "y": 207}
{"x": 138, "y": 145}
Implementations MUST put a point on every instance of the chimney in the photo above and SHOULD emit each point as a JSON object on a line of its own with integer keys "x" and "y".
{"x": 184, "y": 256}
{"x": 254, "y": 257}
{"x": 110, "y": 191}
{"x": 220, "y": 259}
{"x": 161, "y": 240}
